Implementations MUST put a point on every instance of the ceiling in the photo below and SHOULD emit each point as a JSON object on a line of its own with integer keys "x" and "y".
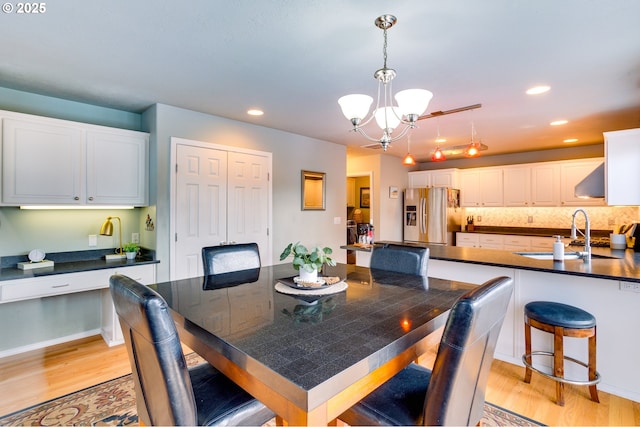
{"x": 294, "y": 59}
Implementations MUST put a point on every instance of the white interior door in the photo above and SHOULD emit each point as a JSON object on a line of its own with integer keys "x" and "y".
{"x": 248, "y": 201}
{"x": 200, "y": 208}
{"x": 219, "y": 197}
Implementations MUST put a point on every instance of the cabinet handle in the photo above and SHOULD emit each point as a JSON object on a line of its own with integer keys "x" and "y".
{"x": 76, "y": 198}
{"x": 60, "y": 286}
{"x": 90, "y": 198}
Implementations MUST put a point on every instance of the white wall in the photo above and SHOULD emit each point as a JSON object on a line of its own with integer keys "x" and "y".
{"x": 291, "y": 154}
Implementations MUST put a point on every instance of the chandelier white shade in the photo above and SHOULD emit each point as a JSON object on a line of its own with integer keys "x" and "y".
{"x": 411, "y": 103}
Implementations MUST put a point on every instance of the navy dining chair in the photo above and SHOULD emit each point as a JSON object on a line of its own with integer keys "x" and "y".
{"x": 228, "y": 258}
{"x": 453, "y": 392}
{"x": 400, "y": 259}
{"x": 167, "y": 392}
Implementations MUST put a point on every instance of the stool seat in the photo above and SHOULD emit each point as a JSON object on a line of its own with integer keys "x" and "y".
{"x": 558, "y": 314}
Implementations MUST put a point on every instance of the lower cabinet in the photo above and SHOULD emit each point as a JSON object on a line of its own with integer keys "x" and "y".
{"x": 506, "y": 242}
{"x": 20, "y": 291}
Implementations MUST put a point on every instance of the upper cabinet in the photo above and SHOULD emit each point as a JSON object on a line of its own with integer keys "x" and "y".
{"x": 57, "y": 162}
{"x": 351, "y": 192}
{"x": 622, "y": 174}
{"x": 481, "y": 187}
{"x": 434, "y": 178}
{"x": 532, "y": 185}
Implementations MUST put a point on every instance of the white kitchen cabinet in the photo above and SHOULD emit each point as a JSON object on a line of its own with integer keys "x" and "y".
{"x": 622, "y": 174}
{"x": 491, "y": 241}
{"x": 434, "y": 178}
{"x": 57, "y": 162}
{"x": 517, "y": 243}
{"x": 571, "y": 173}
{"x": 532, "y": 185}
{"x": 481, "y": 187}
{"x": 468, "y": 240}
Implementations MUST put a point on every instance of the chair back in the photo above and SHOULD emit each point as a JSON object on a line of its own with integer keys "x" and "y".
{"x": 401, "y": 259}
{"x": 456, "y": 390}
{"x": 228, "y": 258}
{"x": 164, "y": 394}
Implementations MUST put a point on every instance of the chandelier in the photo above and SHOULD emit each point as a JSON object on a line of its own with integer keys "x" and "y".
{"x": 411, "y": 102}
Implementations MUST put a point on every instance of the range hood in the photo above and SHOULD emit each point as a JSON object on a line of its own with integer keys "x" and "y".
{"x": 592, "y": 186}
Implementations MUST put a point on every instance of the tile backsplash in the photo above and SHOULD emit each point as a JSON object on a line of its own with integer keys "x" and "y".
{"x": 601, "y": 217}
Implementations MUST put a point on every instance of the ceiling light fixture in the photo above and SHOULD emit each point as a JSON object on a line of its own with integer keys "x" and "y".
{"x": 559, "y": 122}
{"x": 537, "y": 90}
{"x": 438, "y": 155}
{"x": 255, "y": 112}
{"x": 411, "y": 102}
{"x": 570, "y": 140}
{"x": 474, "y": 147}
{"x": 408, "y": 159}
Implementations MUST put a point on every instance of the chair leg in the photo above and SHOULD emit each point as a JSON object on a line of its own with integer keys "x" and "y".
{"x": 592, "y": 367}
{"x": 527, "y": 350}
{"x": 558, "y": 363}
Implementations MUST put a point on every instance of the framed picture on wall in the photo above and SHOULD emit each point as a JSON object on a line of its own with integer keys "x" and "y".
{"x": 365, "y": 197}
{"x": 393, "y": 192}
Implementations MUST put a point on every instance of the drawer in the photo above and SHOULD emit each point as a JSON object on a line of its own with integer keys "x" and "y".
{"x": 60, "y": 284}
{"x": 45, "y": 286}
{"x": 523, "y": 241}
{"x": 491, "y": 239}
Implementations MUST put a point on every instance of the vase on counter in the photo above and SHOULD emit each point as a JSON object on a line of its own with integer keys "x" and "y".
{"x": 131, "y": 255}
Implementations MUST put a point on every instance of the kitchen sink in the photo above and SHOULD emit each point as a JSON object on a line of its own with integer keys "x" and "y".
{"x": 567, "y": 255}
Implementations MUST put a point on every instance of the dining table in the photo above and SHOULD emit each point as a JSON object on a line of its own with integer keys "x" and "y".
{"x": 309, "y": 352}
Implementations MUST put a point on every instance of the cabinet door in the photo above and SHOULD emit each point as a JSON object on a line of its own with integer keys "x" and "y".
{"x": 351, "y": 192}
{"x": 41, "y": 163}
{"x": 571, "y": 173}
{"x": 469, "y": 188}
{"x": 491, "y": 187}
{"x": 444, "y": 178}
{"x": 468, "y": 240}
{"x": 517, "y": 186}
{"x": 491, "y": 241}
{"x": 419, "y": 179}
{"x": 545, "y": 184}
{"x": 621, "y": 167}
{"x": 117, "y": 168}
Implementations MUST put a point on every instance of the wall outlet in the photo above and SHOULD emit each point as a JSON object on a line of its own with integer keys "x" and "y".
{"x": 530, "y": 219}
{"x": 135, "y": 237}
{"x": 479, "y": 219}
{"x": 93, "y": 240}
{"x": 337, "y": 220}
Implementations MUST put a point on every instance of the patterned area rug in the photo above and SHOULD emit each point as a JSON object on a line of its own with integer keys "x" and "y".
{"x": 112, "y": 403}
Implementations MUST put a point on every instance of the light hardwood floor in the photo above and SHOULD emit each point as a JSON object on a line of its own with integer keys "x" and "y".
{"x": 34, "y": 377}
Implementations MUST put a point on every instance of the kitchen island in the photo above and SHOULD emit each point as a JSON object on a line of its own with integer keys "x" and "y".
{"x": 609, "y": 288}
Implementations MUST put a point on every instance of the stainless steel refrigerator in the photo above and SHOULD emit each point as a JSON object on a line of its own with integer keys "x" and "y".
{"x": 432, "y": 215}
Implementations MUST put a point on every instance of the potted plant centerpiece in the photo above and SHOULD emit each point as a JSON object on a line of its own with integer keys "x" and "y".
{"x": 308, "y": 262}
{"x": 131, "y": 250}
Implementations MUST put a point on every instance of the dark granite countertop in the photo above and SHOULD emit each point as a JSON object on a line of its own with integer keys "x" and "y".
{"x": 70, "y": 262}
{"x": 605, "y": 264}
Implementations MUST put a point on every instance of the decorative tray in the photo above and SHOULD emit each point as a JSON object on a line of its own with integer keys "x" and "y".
{"x": 296, "y": 283}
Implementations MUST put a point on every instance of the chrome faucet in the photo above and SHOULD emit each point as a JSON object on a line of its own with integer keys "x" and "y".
{"x": 586, "y": 255}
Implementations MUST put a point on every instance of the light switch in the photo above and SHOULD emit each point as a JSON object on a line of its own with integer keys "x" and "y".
{"x": 337, "y": 220}
{"x": 93, "y": 240}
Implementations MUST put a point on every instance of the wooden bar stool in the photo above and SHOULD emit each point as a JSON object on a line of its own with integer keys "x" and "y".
{"x": 561, "y": 320}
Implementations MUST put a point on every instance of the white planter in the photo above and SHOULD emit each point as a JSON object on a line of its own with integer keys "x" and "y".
{"x": 305, "y": 276}
{"x": 131, "y": 255}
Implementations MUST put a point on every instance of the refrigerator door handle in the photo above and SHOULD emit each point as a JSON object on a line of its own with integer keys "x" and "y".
{"x": 423, "y": 216}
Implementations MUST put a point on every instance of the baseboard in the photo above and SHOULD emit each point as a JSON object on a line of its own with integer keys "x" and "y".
{"x": 48, "y": 343}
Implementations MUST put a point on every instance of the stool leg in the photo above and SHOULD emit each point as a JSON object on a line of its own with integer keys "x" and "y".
{"x": 527, "y": 349}
{"x": 592, "y": 367}
{"x": 558, "y": 363}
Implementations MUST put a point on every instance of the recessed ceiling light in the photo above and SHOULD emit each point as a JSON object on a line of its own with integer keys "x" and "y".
{"x": 559, "y": 122}
{"x": 441, "y": 140}
{"x": 537, "y": 90}
{"x": 570, "y": 140}
{"x": 255, "y": 112}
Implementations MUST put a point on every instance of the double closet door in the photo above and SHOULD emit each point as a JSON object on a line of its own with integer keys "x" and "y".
{"x": 221, "y": 197}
